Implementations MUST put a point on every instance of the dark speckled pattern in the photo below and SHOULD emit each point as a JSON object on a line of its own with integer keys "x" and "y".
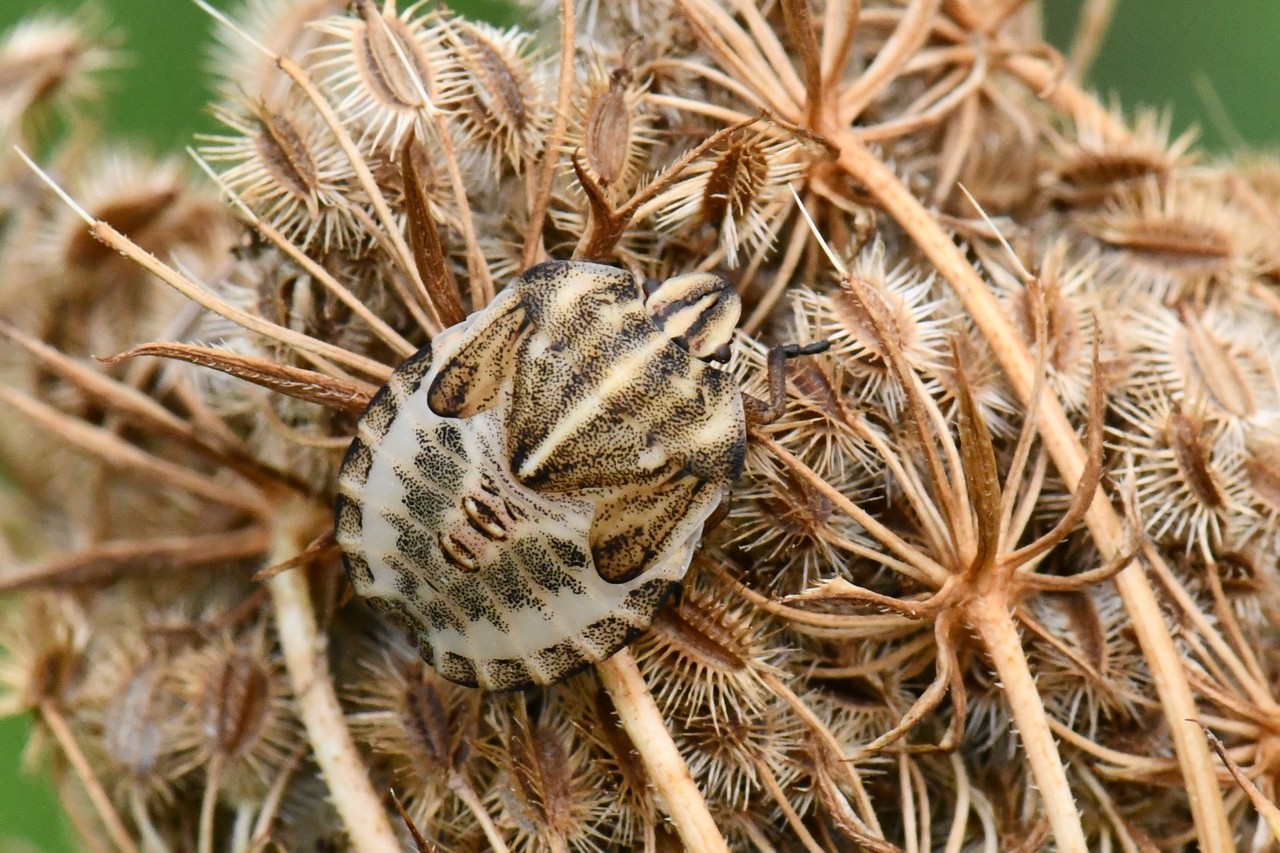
{"x": 506, "y": 578}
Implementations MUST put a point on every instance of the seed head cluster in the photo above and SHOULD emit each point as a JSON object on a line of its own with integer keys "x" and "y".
{"x": 1003, "y": 574}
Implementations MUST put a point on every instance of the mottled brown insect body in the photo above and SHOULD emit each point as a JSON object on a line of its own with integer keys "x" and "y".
{"x": 524, "y": 493}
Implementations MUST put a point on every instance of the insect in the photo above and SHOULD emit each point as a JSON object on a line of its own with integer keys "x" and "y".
{"x": 525, "y": 492}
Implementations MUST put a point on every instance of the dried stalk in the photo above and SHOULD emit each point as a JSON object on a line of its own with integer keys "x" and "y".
{"x": 991, "y": 617}
{"x": 53, "y": 718}
{"x": 304, "y": 653}
{"x": 647, "y": 729}
{"x": 1068, "y": 454}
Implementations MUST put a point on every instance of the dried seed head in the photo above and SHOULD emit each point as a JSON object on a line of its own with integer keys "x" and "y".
{"x": 49, "y": 64}
{"x": 636, "y": 815}
{"x": 549, "y": 794}
{"x": 791, "y": 534}
{"x": 977, "y": 365}
{"x": 739, "y": 189}
{"x": 134, "y": 714}
{"x": 1187, "y": 470}
{"x": 1262, "y": 473}
{"x": 824, "y": 422}
{"x": 236, "y": 694}
{"x": 876, "y": 309}
{"x": 151, "y": 202}
{"x": 857, "y": 709}
{"x": 1095, "y": 166}
{"x": 41, "y": 653}
{"x": 710, "y": 651}
{"x": 286, "y": 167}
{"x": 1176, "y": 241}
{"x": 1215, "y": 355}
{"x": 612, "y": 126}
{"x": 494, "y": 97}
{"x": 380, "y": 69}
{"x": 728, "y": 753}
{"x": 422, "y": 726}
{"x": 1090, "y": 670}
{"x": 1072, "y": 312}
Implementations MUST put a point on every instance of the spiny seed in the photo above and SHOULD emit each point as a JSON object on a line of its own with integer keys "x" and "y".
{"x": 1171, "y": 241}
{"x": 1263, "y": 469}
{"x": 286, "y": 155}
{"x": 1218, "y": 370}
{"x": 616, "y": 741}
{"x": 1086, "y": 627}
{"x": 426, "y": 724}
{"x": 381, "y": 42}
{"x": 735, "y": 181}
{"x": 868, "y": 312}
{"x": 1063, "y": 337}
{"x": 135, "y": 733}
{"x": 1185, "y": 438}
{"x": 607, "y": 140}
{"x": 814, "y": 385}
{"x": 541, "y": 774}
{"x": 1095, "y": 174}
{"x": 237, "y": 703}
{"x": 703, "y": 638}
{"x": 499, "y": 94}
{"x": 799, "y": 510}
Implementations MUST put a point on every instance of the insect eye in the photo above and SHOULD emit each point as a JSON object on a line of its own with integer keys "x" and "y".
{"x": 651, "y": 286}
{"x": 721, "y": 354}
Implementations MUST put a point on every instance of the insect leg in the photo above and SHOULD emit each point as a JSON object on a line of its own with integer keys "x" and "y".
{"x": 760, "y": 412}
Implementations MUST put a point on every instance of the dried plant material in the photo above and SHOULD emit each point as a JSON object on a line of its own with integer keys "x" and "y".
{"x": 738, "y": 190}
{"x": 937, "y": 608}
{"x": 424, "y": 237}
{"x": 297, "y": 383}
{"x": 494, "y": 98}
{"x": 50, "y": 65}
{"x": 284, "y": 165}
{"x": 1096, "y": 165}
{"x": 1187, "y": 471}
{"x": 615, "y": 130}
{"x": 380, "y": 67}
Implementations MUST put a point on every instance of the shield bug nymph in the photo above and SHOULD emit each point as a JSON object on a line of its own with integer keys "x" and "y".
{"x": 524, "y": 492}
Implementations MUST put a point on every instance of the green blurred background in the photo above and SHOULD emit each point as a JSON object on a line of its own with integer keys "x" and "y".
{"x": 1212, "y": 63}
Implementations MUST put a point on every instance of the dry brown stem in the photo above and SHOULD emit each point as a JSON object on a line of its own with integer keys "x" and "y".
{"x": 647, "y": 729}
{"x": 305, "y": 657}
{"x": 1069, "y": 455}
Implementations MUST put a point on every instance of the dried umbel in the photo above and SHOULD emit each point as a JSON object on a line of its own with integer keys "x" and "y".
{"x": 966, "y": 573}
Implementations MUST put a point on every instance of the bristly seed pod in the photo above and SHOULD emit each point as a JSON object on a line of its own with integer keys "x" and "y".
{"x": 236, "y": 695}
{"x": 1097, "y": 165}
{"x": 615, "y": 129}
{"x": 381, "y": 70}
{"x": 711, "y": 652}
{"x": 285, "y": 166}
{"x": 493, "y": 96}
{"x": 549, "y": 794}
{"x": 1180, "y": 240}
{"x": 738, "y": 189}
{"x": 1211, "y": 355}
{"x": 607, "y": 136}
{"x": 1188, "y": 471}
{"x": 878, "y": 302}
